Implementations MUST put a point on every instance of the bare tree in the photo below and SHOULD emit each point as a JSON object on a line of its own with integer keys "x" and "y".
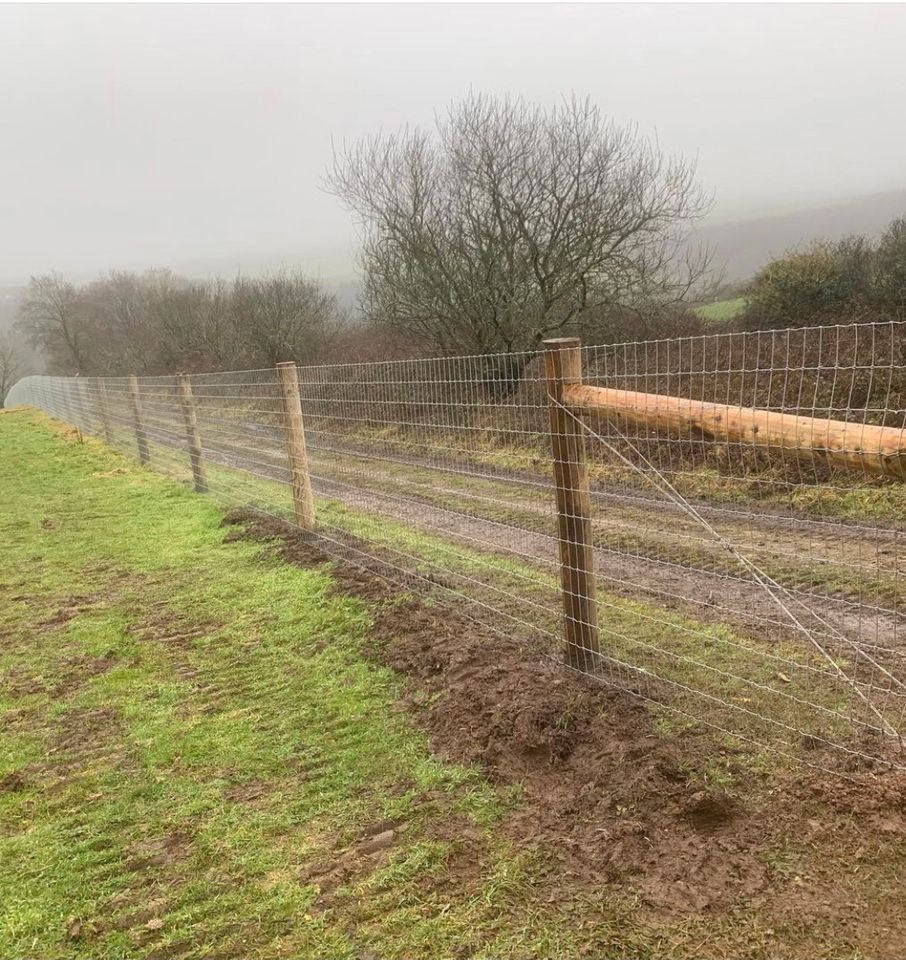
{"x": 12, "y": 365}
{"x": 511, "y": 223}
{"x": 51, "y": 318}
{"x": 158, "y": 322}
{"x": 285, "y": 316}
{"x": 193, "y": 323}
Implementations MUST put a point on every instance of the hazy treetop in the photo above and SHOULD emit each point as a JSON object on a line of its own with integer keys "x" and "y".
{"x": 197, "y": 136}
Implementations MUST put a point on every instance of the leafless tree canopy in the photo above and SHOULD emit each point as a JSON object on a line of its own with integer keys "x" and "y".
{"x": 158, "y": 322}
{"x": 509, "y": 223}
{"x": 283, "y": 316}
{"x": 49, "y": 315}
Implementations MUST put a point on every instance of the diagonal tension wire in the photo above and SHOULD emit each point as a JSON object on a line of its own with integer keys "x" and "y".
{"x": 768, "y": 583}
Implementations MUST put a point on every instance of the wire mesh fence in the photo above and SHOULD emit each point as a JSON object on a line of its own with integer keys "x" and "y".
{"x": 713, "y": 525}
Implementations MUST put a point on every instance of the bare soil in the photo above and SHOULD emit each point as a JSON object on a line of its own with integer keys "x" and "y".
{"x": 604, "y": 797}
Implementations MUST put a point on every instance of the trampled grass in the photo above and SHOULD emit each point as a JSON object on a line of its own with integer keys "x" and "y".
{"x": 195, "y": 753}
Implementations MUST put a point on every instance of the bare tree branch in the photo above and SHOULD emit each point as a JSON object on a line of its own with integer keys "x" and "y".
{"x": 511, "y": 222}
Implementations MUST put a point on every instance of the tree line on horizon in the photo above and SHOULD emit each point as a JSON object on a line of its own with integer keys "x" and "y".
{"x": 506, "y": 224}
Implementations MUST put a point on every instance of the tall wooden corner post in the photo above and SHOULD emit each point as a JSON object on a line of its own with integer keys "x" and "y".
{"x": 563, "y": 367}
{"x": 187, "y": 401}
{"x": 303, "y": 500}
{"x": 141, "y": 438}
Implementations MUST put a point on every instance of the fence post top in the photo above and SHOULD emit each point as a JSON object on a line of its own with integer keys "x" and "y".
{"x": 287, "y": 363}
{"x": 559, "y": 343}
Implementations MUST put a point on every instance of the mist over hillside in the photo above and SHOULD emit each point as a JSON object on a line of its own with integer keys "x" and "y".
{"x": 9, "y": 304}
{"x": 9, "y": 307}
{"x": 744, "y": 246}
{"x": 741, "y": 248}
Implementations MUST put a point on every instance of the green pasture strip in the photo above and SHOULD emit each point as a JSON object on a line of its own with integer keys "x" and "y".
{"x": 722, "y": 310}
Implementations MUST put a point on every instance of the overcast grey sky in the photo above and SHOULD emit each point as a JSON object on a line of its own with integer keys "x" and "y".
{"x": 196, "y": 136}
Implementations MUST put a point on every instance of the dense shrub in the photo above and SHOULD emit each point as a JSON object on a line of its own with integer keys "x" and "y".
{"x": 850, "y": 280}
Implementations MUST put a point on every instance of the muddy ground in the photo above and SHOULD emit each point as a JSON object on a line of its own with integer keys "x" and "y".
{"x": 608, "y": 800}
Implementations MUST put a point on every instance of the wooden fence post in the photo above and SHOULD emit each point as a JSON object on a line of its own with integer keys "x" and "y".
{"x": 87, "y": 409}
{"x": 79, "y": 407}
{"x": 192, "y": 438}
{"x": 141, "y": 438}
{"x": 303, "y": 500}
{"x": 103, "y": 410}
{"x": 563, "y": 366}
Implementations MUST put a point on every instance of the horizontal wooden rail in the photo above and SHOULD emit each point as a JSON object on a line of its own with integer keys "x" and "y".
{"x": 855, "y": 445}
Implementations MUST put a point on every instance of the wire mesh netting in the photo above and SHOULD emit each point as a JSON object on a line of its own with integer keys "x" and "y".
{"x": 739, "y": 582}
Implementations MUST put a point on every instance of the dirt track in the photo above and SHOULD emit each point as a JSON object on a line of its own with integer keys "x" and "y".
{"x": 839, "y": 579}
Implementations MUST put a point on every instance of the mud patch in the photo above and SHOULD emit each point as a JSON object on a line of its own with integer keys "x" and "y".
{"x": 708, "y": 812}
{"x": 69, "y": 609}
{"x": 604, "y": 796}
{"x": 460, "y": 844}
{"x": 247, "y": 792}
{"x": 171, "y": 627}
{"x": 157, "y": 852}
{"x": 340, "y": 866}
{"x": 14, "y": 782}
{"x": 81, "y": 670}
{"x": 82, "y": 740}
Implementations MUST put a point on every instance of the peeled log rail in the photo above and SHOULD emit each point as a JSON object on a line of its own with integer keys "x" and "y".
{"x": 859, "y": 446}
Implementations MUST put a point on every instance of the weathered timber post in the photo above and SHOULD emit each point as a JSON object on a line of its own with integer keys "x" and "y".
{"x": 563, "y": 367}
{"x": 192, "y": 438}
{"x": 141, "y": 438}
{"x": 103, "y": 410}
{"x": 303, "y": 500}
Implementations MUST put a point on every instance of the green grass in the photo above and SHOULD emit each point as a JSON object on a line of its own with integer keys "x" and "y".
{"x": 191, "y": 733}
{"x": 721, "y": 310}
{"x": 192, "y": 741}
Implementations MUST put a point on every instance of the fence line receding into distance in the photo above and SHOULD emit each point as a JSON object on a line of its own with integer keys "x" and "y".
{"x": 711, "y": 523}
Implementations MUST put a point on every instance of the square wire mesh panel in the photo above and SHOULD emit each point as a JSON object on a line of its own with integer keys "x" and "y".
{"x": 743, "y": 584}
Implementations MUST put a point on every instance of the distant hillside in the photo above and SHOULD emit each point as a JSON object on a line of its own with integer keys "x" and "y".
{"x": 746, "y": 245}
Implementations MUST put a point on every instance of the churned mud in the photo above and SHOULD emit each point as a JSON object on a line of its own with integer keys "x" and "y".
{"x": 608, "y": 799}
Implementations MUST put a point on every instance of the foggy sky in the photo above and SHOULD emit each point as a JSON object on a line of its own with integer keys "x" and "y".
{"x": 196, "y": 136}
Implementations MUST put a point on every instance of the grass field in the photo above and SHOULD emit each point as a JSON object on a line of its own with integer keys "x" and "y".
{"x": 721, "y": 310}
{"x": 200, "y": 761}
